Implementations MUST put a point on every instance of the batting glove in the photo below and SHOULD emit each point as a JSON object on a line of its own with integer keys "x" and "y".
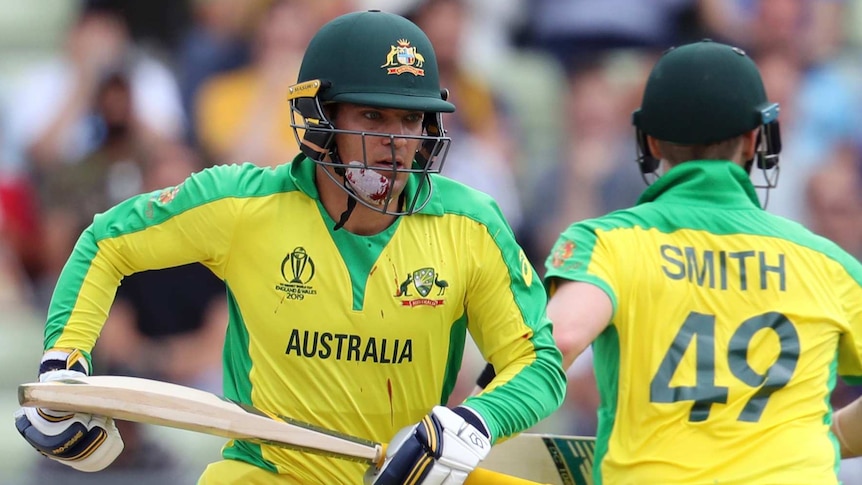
{"x": 82, "y": 441}
{"x": 441, "y": 450}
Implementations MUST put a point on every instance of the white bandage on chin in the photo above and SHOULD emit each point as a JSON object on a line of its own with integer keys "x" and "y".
{"x": 367, "y": 183}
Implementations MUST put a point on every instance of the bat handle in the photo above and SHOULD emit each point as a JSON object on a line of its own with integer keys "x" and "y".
{"x": 381, "y": 455}
{"x": 481, "y": 476}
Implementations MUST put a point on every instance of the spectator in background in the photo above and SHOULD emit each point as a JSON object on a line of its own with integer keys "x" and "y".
{"x": 19, "y": 235}
{"x": 819, "y": 102}
{"x": 153, "y": 305}
{"x": 19, "y": 228}
{"x": 157, "y": 24}
{"x": 572, "y": 29}
{"x": 236, "y": 118}
{"x": 484, "y": 156}
{"x": 814, "y": 29}
{"x": 833, "y": 198}
{"x": 594, "y": 174}
{"x": 72, "y": 193}
{"x": 217, "y": 41}
{"x": 51, "y": 118}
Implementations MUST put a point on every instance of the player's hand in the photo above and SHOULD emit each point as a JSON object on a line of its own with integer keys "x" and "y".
{"x": 441, "y": 450}
{"x": 82, "y": 441}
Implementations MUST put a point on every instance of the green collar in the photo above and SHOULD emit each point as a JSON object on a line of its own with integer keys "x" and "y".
{"x": 708, "y": 182}
{"x": 302, "y": 172}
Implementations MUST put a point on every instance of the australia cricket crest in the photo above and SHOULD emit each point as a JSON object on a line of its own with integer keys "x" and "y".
{"x": 404, "y": 58}
{"x": 422, "y": 281}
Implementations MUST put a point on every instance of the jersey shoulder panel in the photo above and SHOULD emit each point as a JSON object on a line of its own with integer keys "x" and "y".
{"x": 242, "y": 180}
{"x": 210, "y": 185}
{"x": 798, "y": 234}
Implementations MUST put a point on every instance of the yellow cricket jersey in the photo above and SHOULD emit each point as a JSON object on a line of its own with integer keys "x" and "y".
{"x": 730, "y": 326}
{"x": 358, "y": 334}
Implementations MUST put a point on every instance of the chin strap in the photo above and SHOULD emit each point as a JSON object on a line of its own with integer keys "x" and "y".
{"x": 351, "y": 204}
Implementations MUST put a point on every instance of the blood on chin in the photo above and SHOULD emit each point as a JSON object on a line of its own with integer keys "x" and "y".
{"x": 369, "y": 184}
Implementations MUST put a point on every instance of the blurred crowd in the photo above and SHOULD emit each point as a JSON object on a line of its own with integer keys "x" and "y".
{"x": 134, "y": 96}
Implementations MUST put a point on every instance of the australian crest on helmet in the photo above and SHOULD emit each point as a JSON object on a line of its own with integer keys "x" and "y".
{"x": 402, "y": 58}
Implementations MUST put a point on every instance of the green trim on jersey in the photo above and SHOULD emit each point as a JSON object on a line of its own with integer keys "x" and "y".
{"x": 827, "y": 417}
{"x": 247, "y": 452}
{"x": 237, "y": 363}
{"x": 359, "y": 261}
{"x": 360, "y": 253}
{"x": 608, "y": 345}
{"x": 69, "y": 284}
{"x": 457, "y": 336}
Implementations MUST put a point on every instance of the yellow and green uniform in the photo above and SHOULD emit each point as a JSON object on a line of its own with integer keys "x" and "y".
{"x": 729, "y": 329}
{"x": 358, "y": 334}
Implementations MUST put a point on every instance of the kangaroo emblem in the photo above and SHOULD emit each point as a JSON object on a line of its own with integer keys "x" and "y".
{"x": 404, "y": 287}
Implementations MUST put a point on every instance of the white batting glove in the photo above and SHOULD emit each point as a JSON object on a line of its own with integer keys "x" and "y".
{"x": 82, "y": 441}
{"x": 441, "y": 450}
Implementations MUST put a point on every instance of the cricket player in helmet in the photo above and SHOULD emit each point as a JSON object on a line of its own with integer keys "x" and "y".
{"x": 343, "y": 65}
{"x": 705, "y": 95}
{"x": 717, "y": 329}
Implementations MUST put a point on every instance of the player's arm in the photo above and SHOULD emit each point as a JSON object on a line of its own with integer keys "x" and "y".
{"x": 580, "y": 312}
{"x": 579, "y": 277}
{"x": 158, "y": 230}
{"x": 171, "y": 227}
{"x": 847, "y": 427}
{"x": 507, "y": 319}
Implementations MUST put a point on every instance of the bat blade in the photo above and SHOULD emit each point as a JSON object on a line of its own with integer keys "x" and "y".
{"x": 164, "y": 404}
{"x": 545, "y": 458}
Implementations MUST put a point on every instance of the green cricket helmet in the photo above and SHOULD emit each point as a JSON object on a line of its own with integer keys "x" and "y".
{"x": 377, "y": 59}
{"x": 703, "y": 93}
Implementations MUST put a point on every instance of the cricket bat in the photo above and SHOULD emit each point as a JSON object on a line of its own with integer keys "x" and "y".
{"x": 164, "y": 404}
{"x": 545, "y": 458}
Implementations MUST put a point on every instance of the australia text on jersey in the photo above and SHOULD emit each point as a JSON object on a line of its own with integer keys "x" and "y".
{"x": 349, "y": 347}
{"x": 745, "y": 270}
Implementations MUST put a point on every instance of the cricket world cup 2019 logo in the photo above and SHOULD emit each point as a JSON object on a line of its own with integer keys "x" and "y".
{"x": 404, "y": 58}
{"x": 423, "y": 281}
{"x": 297, "y": 269}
